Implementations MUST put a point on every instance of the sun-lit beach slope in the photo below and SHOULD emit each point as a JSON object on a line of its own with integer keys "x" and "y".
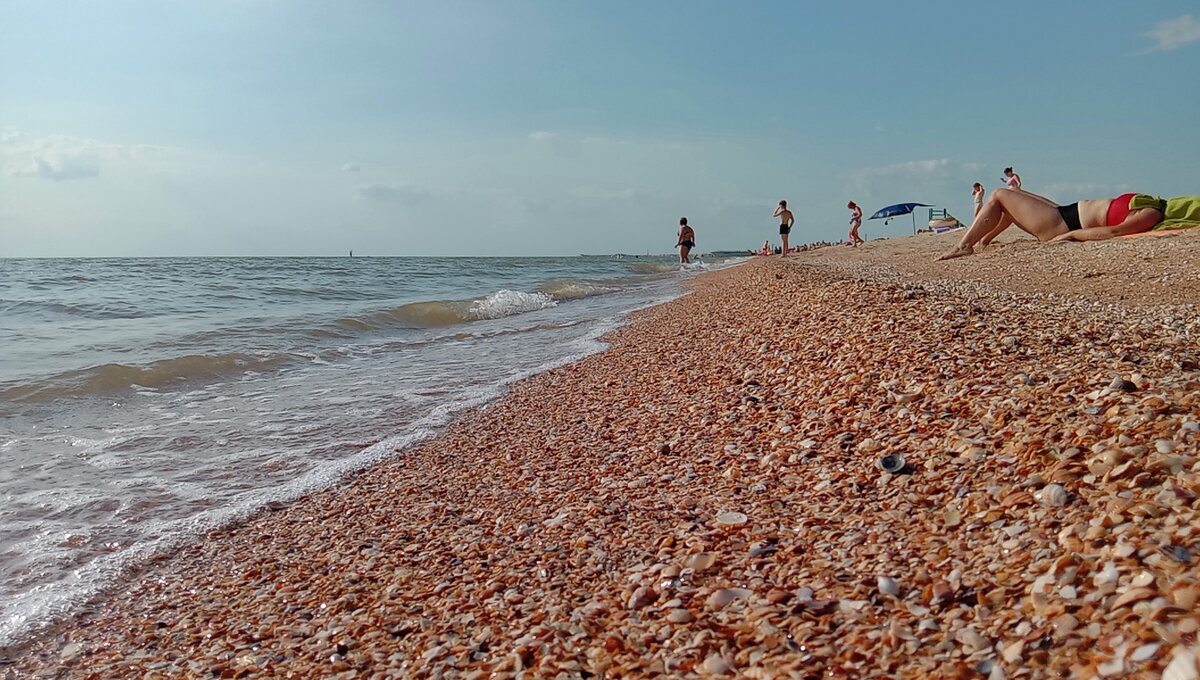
{"x": 704, "y": 497}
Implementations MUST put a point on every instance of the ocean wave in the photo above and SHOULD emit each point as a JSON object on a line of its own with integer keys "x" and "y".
{"x": 571, "y": 289}
{"x": 504, "y": 303}
{"x": 653, "y": 267}
{"x": 123, "y": 377}
{"x": 42, "y": 308}
{"x": 439, "y": 313}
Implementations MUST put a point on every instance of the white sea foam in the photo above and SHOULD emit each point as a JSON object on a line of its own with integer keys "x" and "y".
{"x": 506, "y": 302}
{"x": 191, "y": 460}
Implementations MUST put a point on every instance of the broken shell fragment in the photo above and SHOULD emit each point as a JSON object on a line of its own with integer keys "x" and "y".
{"x": 731, "y": 519}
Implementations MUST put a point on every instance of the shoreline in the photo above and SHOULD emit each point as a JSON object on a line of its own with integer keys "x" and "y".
{"x": 1042, "y": 526}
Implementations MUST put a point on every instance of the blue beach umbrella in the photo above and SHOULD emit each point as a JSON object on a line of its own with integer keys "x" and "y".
{"x": 898, "y": 209}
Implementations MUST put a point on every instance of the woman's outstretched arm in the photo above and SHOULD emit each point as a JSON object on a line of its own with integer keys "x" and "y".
{"x": 1135, "y": 223}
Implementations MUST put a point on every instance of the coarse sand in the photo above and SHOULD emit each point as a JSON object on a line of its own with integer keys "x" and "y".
{"x": 705, "y": 499}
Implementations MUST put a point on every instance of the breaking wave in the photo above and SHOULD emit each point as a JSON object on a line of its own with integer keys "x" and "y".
{"x": 122, "y": 377}
{"x": 438, "y": 313}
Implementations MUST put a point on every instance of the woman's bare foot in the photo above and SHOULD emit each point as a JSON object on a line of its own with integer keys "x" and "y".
{"x": 959, "y": 251}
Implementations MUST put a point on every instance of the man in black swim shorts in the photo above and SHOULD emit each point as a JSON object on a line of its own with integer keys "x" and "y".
{"x": 786, "y": 220}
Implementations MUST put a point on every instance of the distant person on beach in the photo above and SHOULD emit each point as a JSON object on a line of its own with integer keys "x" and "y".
{"x": 1012, "y": 179}
{"x": 855, "y": 223}
{"x": 1091, "y": 220}
{"x": 786, "y": 220}
{"x": 687, "y": 240}
{"x": 977, "y": 196}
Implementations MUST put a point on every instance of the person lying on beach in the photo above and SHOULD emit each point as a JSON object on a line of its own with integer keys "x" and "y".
{"x": 1090, "y": 220}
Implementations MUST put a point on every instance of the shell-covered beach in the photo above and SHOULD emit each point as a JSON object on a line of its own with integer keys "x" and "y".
{"x": 705, "y": 497}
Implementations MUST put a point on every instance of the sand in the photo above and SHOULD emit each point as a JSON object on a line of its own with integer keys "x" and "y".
{"x": 704, "y": 498}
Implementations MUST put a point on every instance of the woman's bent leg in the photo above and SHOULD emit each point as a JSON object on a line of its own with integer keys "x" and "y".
{"x": 1035, "y": 214}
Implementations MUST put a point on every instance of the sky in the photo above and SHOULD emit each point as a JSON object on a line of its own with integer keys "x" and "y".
{"x": 559, "y": 127}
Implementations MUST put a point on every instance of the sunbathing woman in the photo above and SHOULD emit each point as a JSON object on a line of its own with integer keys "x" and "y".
{"x": 1093, "y": 220}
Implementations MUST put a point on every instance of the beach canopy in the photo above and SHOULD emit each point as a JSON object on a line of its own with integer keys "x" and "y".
{"x": 898, "y": 209}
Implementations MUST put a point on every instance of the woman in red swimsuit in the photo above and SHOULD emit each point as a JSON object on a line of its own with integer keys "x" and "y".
{"x": 1093, "y": 220}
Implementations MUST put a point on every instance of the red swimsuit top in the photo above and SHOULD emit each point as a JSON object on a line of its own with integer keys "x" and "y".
{"x": 1118, "y": 210}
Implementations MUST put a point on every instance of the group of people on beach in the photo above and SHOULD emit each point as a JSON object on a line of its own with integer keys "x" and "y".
{"x": 1042, "y": 218}
{"x": 1086, "y": 220}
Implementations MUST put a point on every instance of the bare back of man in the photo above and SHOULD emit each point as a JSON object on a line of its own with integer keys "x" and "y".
{"x": 786, "y": 220}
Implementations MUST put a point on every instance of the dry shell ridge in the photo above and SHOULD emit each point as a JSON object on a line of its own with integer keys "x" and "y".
{"x": 1045, "y": 524}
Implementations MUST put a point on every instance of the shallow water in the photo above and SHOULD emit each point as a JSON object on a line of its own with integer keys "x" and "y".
{"x": 144, "y": 400}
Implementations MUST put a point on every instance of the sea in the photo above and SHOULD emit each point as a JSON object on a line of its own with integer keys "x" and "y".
{"x": 145, "y": 401}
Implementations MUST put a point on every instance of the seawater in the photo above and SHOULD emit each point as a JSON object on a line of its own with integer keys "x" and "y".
{"x": 143, "y": 401}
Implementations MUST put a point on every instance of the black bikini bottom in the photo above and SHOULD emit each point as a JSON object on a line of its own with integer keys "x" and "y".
{"x": 1070, "y": 215}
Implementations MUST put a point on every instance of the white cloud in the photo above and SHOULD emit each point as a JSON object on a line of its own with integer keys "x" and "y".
{"x": 59, "y": 157}
{"x": 1171, "y": 34}
{"x": 1069, "y": 192}
{"x": 564, "y": 146}
{"x": 909, "y": 177}
{"x": 590, "y": 192}
{"x": 351, "y": 167}
{"x": 406, "y": 194}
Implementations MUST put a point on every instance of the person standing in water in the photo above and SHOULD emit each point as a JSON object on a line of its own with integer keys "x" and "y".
{"x": 977, "y": 196}
{"x": 1012, "y": 179}
{"x": 855, "y": 223}
{"x": 786, "y": 220}
{"x": 687, "y": 240}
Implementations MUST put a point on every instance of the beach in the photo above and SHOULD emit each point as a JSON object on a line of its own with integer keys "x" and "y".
{"x": 704, "y": 498}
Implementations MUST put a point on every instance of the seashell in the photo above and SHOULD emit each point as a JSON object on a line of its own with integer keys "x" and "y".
{"x": 1114, "y": 666}
{"x": 942, "y": 592}
{"x": 778, "y": 596}
{"x": 1142, "y": 579}
{"x": 968, "y": 637}
{"x": 715, "y": 664}
{"x": 1133, "y": 595}
{"x": 700, "y": 561}
{"x": 1107, "y": 575}
{"x": 900, "y": 631}
{"x": 722, "y": 598}
{"x": 679, "y": 616}
{"x": 731, "y": 519}
{"x": 888, "y": 586}
{"x": 1064, "y": 624}
{"x": 1013, "y": 652}
{"x": 952, "y": 517}
{"x": 642, "y": 597}
{"x": 1145, "y": 652}
{"x": 1182, "y": 666}
{"x": 1052, "y": 495}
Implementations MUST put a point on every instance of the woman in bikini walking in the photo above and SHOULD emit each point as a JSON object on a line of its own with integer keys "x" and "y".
{"x": 855, "y": 223}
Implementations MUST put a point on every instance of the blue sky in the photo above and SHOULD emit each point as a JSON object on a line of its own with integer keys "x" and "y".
{"x": 555, "y": 127}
